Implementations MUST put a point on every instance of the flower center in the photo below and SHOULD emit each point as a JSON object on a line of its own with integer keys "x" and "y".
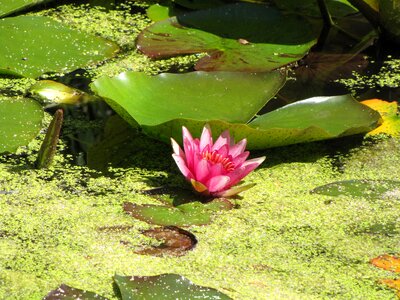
{"x": 214, "y": 157}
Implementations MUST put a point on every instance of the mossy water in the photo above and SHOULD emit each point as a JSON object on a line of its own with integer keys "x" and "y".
{"x": 67, "y": 224}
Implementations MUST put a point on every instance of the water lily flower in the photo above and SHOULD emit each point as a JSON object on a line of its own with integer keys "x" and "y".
{"x": 214, "y": 169}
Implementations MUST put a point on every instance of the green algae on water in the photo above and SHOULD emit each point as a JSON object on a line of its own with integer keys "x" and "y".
{"x": 280, "y": 243}
{"x": 388, "y": 76}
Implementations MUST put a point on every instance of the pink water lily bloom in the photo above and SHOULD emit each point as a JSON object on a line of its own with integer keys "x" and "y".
{"x": 214, "y": 168}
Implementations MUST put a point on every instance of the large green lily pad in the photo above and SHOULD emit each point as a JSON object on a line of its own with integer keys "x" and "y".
{"x": 152, "y": 100}
{"x": 237, "y": 37}
{"x": 164, "y": 286}
{"x": 33, "y": 45}
{"x": 308, "y": 120}
{"x": 20, "y": 122}
{"x": 11, "y": 6}
{"x": 163, "y": 104}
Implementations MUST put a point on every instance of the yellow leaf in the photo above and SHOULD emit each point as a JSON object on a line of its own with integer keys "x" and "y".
{"x": 390, "y": 116}
{"x": 392, "y": 283}
{"x": 387, "y": 262}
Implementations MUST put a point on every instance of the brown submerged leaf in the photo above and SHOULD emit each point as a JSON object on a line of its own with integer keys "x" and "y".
{"x": 175, "y": 241}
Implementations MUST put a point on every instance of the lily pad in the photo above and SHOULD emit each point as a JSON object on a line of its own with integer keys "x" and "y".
{"x": 152, "y": 100}
{"x": 193, "y": 213}
{"x": 370, "y": 189}
{"x": 20, "y": 122}
{"x": 236, "y": 37}
{"x": 228, "y": 100}
{"x": 34, "y": 45}
{"x": 53, "y": 92}
{"x": 174, "y": 241}
{"x": 390, "y": 116}
{"x": 164, "y": 286}
{"x": 65, "y": 292}
{"x": 308, "y": 120}
{"x": 158, "y": 12}
{"x": 8, "y": 7}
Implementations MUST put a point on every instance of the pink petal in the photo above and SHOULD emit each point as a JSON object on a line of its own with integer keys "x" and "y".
{"x": 245, "y": 169}
{"x": 206, "y": 138}
{"x": 238, "y": 148}
{"x": 217, "y": 169}
{"x": 238, "y": 160}
{"x": 202, "y": 170}
{"x": 223, "y": 139}
{"x": 218, "y": 183}
{"x": 191, "y": 151}
{"x": 186, "y": 134}
{"x": 224, "y": 150}
{"x": 177, "y": 149}
{"x": 182, "y": 166}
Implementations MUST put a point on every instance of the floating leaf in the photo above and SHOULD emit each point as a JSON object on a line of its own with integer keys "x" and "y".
{"x": 237, "y": 37}
{"x": 390, "y": 115}
{"x": 34, "y": 45}
{"x": 162, "y": 104}
{"x": 164, "y": 286}
{"x": 392, "y": 283}
{"x": 158, "y": 12}
{"x": 303, "y": 121}
{"x": 8, "y": 7}
{"x": 49, "y": 91}
{"x": 193, "y": 213}
{"x": 152, "y": 100}
{"x": 387, "y": 262}
{"x": 65, "y": 292}
{"x": 175, "y": 241}
{"x": 370, "y": 189}
{"x": 337, "y": 115}
{"x": 49, "y": 145}
{"x": 20, "y": 122}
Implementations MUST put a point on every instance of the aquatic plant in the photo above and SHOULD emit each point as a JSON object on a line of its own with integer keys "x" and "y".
{"x": 214, "y": 168}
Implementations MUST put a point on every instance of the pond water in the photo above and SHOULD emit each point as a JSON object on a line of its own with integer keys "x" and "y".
{"x": 71, "y": 224}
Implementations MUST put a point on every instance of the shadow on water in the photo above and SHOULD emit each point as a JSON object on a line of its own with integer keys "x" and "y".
{"x": 311, "y": 152}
